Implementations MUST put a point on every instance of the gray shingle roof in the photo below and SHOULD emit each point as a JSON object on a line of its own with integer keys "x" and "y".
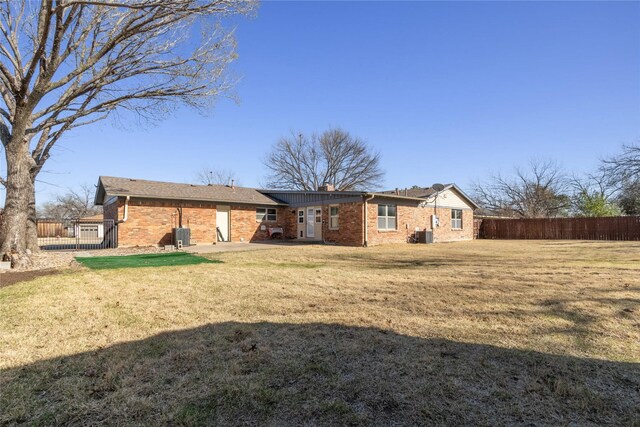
{"x": 420, "y": 192}
{"x": 425, "y": 192}
{"x": 111, "y": 186}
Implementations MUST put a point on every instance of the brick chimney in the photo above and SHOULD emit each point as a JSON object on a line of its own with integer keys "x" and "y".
{"x": 326, "y": 187}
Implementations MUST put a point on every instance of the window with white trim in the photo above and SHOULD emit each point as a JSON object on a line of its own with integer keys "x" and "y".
{"x": 456, "y": 219}
{"x": 266, "y": 214}
{"x": 386, "y": 217}
{"x": 333, "y": 217}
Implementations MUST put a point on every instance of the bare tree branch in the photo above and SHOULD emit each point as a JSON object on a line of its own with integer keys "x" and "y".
{"x": 69, "y": 63}
{"x": 537, "y": 192}
{"x": 212, "y": 176}
{"x": 334, "y": 157}
{"x": 593, "y": 195}
{"x": 623, "y": 173}
{"x": 625, "y": 166}
{"x": 74, "y": 204}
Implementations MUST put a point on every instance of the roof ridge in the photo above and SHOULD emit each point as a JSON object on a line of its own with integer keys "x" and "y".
{"x": 119, "y": 186}
{"x": 174, "y": 183}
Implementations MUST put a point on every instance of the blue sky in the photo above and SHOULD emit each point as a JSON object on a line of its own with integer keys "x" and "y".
{"x": 446, "y": 92}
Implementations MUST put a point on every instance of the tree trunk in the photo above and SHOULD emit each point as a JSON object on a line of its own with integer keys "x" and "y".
{"x": 32, "y": 227}
{"x": 19, "y": 196}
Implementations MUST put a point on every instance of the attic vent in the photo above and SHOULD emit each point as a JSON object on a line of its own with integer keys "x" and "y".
{"x": 131, "y": 179}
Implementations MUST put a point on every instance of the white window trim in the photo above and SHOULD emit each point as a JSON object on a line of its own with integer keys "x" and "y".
{"x": 387, "y": 218}
{"x": 265, "y": 216}
{"x": 336, "y": 216}
{"x": 456, "y": 219}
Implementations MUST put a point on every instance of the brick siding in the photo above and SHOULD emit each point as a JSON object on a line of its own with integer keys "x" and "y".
{"x": 350, "y": 231}
{"x": 150, "y": 222}
{"x": 409, "y": 216}
{"x": 290, "y": 222}
{"x": 445, "y": 233}
{"x": 245, "y": 228}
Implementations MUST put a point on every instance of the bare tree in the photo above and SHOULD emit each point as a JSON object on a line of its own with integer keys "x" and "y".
{"x": 335, "y": 157}
{"x": 594, "y": 195}
{"x": 629, "y": 197}
{"x": 538, "y": 192}
{"x": 625, "y": 166}
{"x": 73, "y": 204}
{"x": 211, "y": 176}
{"x": 69, "y": 63}
{"x": 623, "y": 172}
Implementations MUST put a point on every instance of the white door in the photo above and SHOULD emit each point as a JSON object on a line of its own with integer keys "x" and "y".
{"x": 222, "y": 223}
{"x": 311, "y": 222}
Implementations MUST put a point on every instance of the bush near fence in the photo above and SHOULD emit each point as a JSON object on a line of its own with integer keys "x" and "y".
{"x": 599, "y": 228}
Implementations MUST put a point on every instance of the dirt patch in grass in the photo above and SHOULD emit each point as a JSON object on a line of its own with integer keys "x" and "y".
{"x": 143, "y": 260}
{"x": 9, "y": 278}
{"x": 472, "y": 333}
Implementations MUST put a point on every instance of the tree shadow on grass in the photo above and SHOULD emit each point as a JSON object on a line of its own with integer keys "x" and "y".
{"x": 580, "y": 314}
{"x": 318, "y": 374}
{"x": 386, "y": 263}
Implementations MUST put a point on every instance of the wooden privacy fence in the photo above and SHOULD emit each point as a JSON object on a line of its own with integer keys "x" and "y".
{"x": 600, "y": 228}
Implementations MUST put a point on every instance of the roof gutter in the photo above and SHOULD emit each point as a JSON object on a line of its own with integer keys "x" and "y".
{"x": 366, "y": 198}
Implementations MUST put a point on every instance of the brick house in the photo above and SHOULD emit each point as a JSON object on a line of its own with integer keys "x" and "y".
{"x": 147, "y": 211}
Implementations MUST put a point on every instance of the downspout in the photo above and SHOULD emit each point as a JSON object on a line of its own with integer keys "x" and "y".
{"x": 366, "y": 198}
{"x": 126, "y": 211}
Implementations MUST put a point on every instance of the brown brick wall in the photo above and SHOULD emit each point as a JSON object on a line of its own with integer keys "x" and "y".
{"x": 350, "y": 231}
{"x": 245, "y": 228}
{"x": 290, "y": 218}
{"x": 150, "y": 222}
{"x": 444, "y": 233}
{"x": 410, "y": 216}
{"x": 406, "y": 216}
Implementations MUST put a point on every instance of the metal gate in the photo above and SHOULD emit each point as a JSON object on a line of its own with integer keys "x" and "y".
{"x": 76, "y": 234}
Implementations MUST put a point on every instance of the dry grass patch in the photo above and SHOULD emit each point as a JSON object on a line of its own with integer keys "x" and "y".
{"x": 483, "y": 332}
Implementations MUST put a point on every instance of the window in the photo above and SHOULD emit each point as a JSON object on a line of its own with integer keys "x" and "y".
{"x": 386, "y": 217}
{"x": 301, "y": 217}
{"x": 333, "y": 217}
{"x": 266, "y": 214}
{"x": 456, "y": 218}
{"x": 318, "y": 216}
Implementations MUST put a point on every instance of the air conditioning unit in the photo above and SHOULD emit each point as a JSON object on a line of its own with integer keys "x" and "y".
{"x": 183, "y": 234}
{"x": 424, "y": 236}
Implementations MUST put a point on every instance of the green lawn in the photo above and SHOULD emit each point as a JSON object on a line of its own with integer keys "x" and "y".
{"x": 145, "y": 260}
